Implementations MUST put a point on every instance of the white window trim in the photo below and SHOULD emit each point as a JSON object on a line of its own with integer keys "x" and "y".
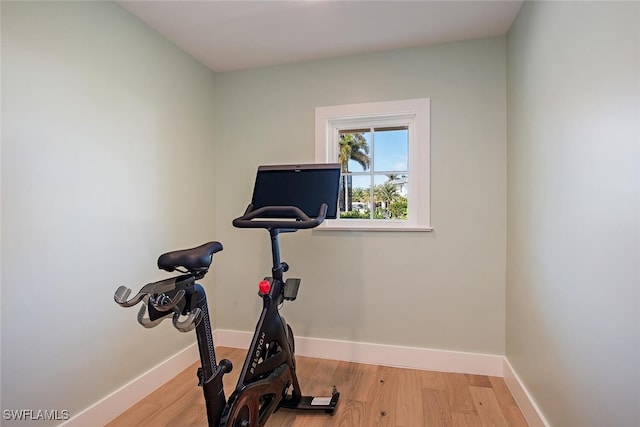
{"x": 417, "y": 111}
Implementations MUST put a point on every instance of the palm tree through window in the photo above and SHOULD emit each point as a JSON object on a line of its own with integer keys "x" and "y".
{"x": 375, "y": 172}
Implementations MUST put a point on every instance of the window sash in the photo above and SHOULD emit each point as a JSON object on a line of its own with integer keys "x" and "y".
{"x": 372, "y": 173}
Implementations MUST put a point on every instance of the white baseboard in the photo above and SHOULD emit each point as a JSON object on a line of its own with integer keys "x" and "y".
{"x": 108, "y": 408}
{"x": 128, "y": 395}
{"x": 381, "y": 354}
{"x": 527, "y": 405}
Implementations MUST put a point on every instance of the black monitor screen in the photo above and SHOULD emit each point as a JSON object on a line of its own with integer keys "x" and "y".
{"x": 303, "y": 186}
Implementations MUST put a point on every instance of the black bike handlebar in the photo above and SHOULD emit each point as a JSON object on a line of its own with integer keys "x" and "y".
{"x": 300, "y": 220}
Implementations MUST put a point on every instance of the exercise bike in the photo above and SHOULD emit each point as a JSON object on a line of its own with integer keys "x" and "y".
{"x": 283, "y": 198}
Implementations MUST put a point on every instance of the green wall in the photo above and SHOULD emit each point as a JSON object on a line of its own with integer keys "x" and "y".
{"x": 573, "y": 294}
{"x": 443, "y": 289}
{"x": 107, "y": 146}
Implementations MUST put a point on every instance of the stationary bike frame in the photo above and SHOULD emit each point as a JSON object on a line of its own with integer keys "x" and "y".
{"x": 269, "y": 370}
{"x": 270, "y": 363}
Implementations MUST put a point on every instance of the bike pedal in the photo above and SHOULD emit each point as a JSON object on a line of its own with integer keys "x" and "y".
{"x": 291, "y": 289}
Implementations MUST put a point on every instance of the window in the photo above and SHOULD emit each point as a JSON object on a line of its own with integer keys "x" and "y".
{"x": 383, "y": 148}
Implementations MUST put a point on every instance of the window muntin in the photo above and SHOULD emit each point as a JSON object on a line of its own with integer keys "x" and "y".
{"x": 375, "y": 171}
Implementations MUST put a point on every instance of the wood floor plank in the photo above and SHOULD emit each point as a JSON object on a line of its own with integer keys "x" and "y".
{"x": 509, "y": 407}
{"x": 460, "y": 399}
{"x": 409, "y": 402}
{"x": 352, "y": 413}
{"x": 435, "y": 408}
{"x": 479, "y": 380}
{"x": 487, "y": 406}
{"x": 466, "y": 420}
{"x": 433, "y": 380}
{"x": 362, "y": 382}
{"x": 381, "y": 401}
{"x": 370, "y": 396}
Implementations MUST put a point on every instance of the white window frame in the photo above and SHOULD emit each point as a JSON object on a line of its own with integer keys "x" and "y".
{"x": 414, "y": 113}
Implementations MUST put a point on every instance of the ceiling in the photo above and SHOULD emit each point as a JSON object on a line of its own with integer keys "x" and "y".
{"x": 238, "y": 34}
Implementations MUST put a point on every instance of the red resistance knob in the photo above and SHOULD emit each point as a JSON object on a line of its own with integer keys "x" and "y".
{"x": 264, "y": 286}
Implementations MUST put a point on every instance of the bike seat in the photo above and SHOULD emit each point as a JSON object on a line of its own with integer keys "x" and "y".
{"x": 194, "y": 259}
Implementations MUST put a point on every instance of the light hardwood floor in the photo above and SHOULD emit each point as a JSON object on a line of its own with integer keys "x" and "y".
{"x": 369, "y": 396}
